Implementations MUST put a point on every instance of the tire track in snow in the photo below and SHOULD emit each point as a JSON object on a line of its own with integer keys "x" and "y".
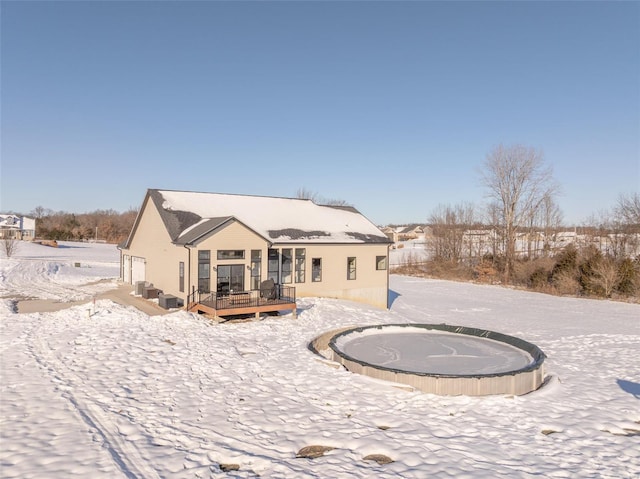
{"x": 124, "y": 454}
{"x": 159, "y": 430}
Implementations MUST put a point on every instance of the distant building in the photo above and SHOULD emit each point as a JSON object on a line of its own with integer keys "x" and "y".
{"x": 412, "y": 232}
{"x": 391, "y": 233}
{"x": 17, "y": 227}
{"x": 407, "y": 232}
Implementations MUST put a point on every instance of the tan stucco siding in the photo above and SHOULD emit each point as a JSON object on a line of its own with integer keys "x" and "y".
{"x": 152, "y": 242}
{"x": 234, "y": 236}
{"x": 370, "y": 285}
{"x": 162, "y": 258}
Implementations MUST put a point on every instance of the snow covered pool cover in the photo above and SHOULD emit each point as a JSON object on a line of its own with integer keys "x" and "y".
{"x": 420, "y": 350}
{"x": 466, "y": 360}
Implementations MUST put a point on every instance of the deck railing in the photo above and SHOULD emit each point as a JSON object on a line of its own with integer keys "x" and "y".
{"x": 281, "y": 294}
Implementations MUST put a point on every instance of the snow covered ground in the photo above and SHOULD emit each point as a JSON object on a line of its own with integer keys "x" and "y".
{"x": 122, "y": 394}
{"x": 62, "y": 274}
{"x": 413, "y": 251}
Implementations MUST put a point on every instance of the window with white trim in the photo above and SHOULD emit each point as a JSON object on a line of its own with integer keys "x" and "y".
{"x": 351, "y": 267}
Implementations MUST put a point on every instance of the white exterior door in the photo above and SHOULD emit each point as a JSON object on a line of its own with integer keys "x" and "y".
{"x": 126, "y": 268}
{"x": 137, "y": 269}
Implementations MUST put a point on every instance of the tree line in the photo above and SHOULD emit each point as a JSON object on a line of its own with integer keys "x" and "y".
{"x": 517, "y": 236}
{"x": 514, "y": 238}
{"x": 109, "y": 226}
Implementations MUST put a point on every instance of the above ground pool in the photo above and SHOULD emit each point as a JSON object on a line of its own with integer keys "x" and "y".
{"x": 437, "y": 358}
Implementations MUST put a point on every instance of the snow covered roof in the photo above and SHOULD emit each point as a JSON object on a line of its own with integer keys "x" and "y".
{"x": 414, "y": 228}
{"x": 17, "y": 222}
{"x": 190, "y": 215}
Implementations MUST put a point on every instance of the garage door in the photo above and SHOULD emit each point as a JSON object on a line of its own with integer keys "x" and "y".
{"x": 137, "y": 269}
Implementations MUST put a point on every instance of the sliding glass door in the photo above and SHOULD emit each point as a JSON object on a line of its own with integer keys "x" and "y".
{"x": 230, "y": 278}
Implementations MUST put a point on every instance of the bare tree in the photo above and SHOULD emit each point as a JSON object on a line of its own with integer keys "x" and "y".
{"x": 492, "y": 218}
{"x": 549, "y": 220}
{"x": 305, "y": 194}
{"x": 604, "y": 276}
{"x": 518, "y": 180}
{"x": 543, "y": 222}
{"x": 626, "y": 216}
{"x": 628, "y": 209}
{"x": 9, "y": 246}
{"x": 40, "y": 212}
{"x": 449, "y": 225}
{"x": 607, "y": 231}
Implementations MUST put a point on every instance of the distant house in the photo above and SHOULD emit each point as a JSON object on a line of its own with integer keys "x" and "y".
{"x": 214, "y": 251}
{"x": 406, "y": 232}
{"x": 17, "y": 227}
{"x": 411, "y": 232}
{"x": 391, "y": 233}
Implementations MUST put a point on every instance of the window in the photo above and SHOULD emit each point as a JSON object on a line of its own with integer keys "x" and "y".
{"x": 351, "y": 267}
{"x": 230, "y": 254}
{"x": 181, "y": 276}
{"x": 204, "y": 270}
{"x": 273, "y": 265}
{"x": 381, "y": 262}
{"x": 287, "y": 264}
{"x": 256, "y": 268}
{"x": 300, "y": 265}
{"x": 316, "y": 269}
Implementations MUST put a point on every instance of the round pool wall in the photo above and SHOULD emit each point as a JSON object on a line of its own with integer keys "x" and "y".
{"x": 511, "y": 382}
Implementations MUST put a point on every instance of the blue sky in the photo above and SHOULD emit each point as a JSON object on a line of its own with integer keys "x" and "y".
{"x": 390, "y": 106}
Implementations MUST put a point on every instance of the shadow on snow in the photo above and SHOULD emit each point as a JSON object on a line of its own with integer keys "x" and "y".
{"x": 629, "y": 387}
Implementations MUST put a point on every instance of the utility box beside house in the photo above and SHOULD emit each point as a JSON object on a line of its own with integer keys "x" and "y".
{"x": 140, "y": 285}
{"x": 149, "y": 292}
{"x": 168, "y": 301}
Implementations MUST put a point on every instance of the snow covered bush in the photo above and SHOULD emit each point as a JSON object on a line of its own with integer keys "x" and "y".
{"x": 9, "y": 246}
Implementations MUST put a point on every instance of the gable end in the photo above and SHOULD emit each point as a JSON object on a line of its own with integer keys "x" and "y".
{"x": 176, "y": 221}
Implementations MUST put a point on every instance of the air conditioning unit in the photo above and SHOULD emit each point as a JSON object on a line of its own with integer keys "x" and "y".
{"x": 167, "y": 301}
{"x": 140, "y": 285}
{"x": 149, "y": 292}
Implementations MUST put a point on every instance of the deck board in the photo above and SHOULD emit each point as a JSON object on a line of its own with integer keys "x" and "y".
{"x": 244, "y": 302}
{"x": 266, "y": 306}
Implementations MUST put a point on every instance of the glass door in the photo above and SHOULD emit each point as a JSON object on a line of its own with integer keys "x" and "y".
{"x": 230, "y": 278}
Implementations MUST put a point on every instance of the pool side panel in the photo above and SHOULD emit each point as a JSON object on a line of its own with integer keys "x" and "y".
{"x": 517, "y": 382}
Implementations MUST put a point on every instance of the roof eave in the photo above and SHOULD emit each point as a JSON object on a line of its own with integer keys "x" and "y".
{"x": 210, "y": 232}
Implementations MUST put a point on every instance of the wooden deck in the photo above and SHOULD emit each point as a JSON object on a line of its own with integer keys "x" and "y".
{"x": 244, "y": 302}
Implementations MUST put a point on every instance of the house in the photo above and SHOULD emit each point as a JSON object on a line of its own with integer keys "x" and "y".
{"x": 406, "y": 233}
{"x": 411, "y": 232}
{"x": 17, "y": 227}
{"x": 391, "y": 233}
{"x": 216, "y": 252}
